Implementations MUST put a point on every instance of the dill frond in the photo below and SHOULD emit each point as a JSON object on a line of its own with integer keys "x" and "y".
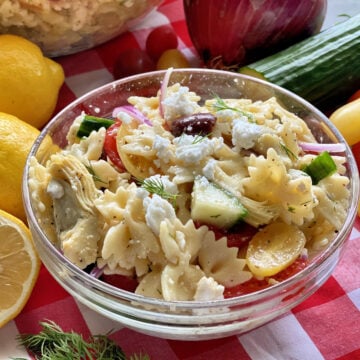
{"x": 91, "y": 170}
{"x": 288, "y": 152}
{"x": 52, "y": 343}
{"x": 220, "y": 104}
{"x": 156, "y": 186}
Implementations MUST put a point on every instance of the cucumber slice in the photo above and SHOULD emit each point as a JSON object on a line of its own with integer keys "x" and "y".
{"x": 213, "y": 205}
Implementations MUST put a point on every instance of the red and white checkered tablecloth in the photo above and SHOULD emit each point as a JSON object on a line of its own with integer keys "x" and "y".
{"x": 325, "y": 326}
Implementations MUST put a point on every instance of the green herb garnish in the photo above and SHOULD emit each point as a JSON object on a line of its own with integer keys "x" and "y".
{"x": 52, "y": 343}
{"x": 198, "y": 138}
{"x": 321, "y": 167}
{"x": 96, "y": 177}
{"x": 288, "y": 152}
{"x": 91, "y": 123}
{"x": 156, "y": 186}
{"x": 220, "y": 104}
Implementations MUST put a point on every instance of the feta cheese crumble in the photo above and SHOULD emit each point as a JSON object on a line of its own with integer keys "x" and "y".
{"x": 157, "y": 210}
{"x": 179, "y": 104}
{"x": 191, "y": 150}
{"x": 245, "y": 133}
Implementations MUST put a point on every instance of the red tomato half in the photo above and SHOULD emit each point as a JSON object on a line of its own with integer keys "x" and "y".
{"x": 238, "y": 236}
{"x": 159, "y": 40}
{"x": 132, "y": 62}
{"x": 110, "y": 148}
{"x": 255, "y": 285}
{"x": 120, "y": 281}
{"x": 354, "y": 96}
{"x": 356, "y": 151}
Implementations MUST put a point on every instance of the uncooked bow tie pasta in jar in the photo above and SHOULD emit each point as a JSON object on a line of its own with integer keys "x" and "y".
{"x": 177, "y": 198}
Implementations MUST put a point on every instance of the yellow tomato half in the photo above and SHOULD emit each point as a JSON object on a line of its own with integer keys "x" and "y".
{"x": 347, "y": 120}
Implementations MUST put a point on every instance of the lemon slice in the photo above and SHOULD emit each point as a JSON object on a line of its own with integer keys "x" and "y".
{"x": 274, "y": 248}
{"x": 19, "y": 266}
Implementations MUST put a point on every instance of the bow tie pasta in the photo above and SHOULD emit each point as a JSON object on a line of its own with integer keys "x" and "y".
{"x": 190, "y": 198}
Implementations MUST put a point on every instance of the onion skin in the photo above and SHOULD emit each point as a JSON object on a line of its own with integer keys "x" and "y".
{"x": 230, "y": 33}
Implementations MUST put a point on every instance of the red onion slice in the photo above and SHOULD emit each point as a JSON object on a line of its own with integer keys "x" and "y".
{"x": 133, "y": 112}
{"x": 316, "y": 147}
{"x": 164, "y": 85}
{"x": 96, "y": 272}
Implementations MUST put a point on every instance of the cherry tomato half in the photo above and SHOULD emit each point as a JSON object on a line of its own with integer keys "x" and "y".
{"x": 172, "y": 58}
{"x": 238, "y": 236}
{"x": 356, "y": 152}
{"x": 110, "y": 148}
{"x": 121, "y": 281}
{"x": 159, "y": 40}
{"x": 354, "y": 96}
{"x": 347, "y": 120}
{"x": 132, "y": 62}
{"x": 256, "y": 285}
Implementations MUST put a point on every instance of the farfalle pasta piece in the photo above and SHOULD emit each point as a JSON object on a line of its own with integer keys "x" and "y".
{"x": 178, "y": 240}
{"x": 112, "y": 205}
{"x": 121, "y": 252}
{"x": 221, "y": 263}
{"x": 208, "y": 289}
{"x": 129, "y": 244}
{"x": 149, "y": 106}
{"x": 269, "y": 181}
{"x": 105, "y": 176}
{"x": 139, "y": 150}
{"x": 150, "y": 285}
{"x": 118, "y": 250}
{"x": 179, "y": 282}
{"x": 89, "y": 148}
{"x": 227, "y": 173}
{"x": 319, "y": 233}
{"x": 332, "y": 195}
{"x": 296, "y": 124}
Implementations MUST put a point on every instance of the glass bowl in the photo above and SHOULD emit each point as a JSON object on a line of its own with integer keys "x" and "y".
{"x": 66, "y": 27}
{"x": 188, "y": 320}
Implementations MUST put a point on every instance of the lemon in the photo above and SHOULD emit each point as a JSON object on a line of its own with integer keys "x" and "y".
{"x": 29, "y": 82}
{"x": 17, "y": 138}
{"x": 19, "y": 266}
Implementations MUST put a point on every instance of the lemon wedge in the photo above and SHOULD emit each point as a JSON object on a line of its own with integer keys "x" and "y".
{"x": 19, "y": 266}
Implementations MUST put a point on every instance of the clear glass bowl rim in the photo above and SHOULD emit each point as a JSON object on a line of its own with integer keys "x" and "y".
{"x": 107, "y": 289}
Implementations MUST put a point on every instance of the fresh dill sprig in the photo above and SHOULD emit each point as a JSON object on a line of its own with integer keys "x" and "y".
{"x": 156, "y": 186}
{"x": 52, "y": 343}
{"x": 91, "y": 170}
{"x": 198, "y": 138}
{"x": 288, "y": 152}
{"x": 220, "y": 104}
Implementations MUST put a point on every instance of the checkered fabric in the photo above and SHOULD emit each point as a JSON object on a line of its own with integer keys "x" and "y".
{"x": 325, "y": 326}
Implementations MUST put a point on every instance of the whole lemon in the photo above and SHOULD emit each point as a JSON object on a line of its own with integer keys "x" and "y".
{"x": 29, "y": 82}
{"x": 17, "y": 137}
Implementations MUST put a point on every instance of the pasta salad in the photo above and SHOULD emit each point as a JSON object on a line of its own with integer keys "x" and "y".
{"x": 190, "y": 199}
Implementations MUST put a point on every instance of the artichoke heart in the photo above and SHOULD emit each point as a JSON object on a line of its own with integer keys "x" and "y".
{"x": 76, "y": 219}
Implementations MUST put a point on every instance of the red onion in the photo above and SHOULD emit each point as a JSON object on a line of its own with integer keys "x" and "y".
{"x": 316, "y": 147}
{"x": 163, "y": 88}
{"x": 133, "y": 112}
{"x": 237, "y": 32}
{"x": 96, "y": 272}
